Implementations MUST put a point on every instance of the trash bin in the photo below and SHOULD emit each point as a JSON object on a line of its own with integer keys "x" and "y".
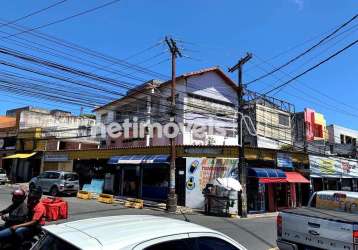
{"x": 221, "y": 199}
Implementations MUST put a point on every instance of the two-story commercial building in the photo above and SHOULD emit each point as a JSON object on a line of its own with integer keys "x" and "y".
{"x": 34, "y": 130}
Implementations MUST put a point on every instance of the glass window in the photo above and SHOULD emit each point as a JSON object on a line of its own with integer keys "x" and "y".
{"x": 183, "y": 244}
{"x": 211, "y": 243}
{"x": 2, "y": 171}
{"x": 53, "y": 175}
{"x": 50, "y": 241}
{"x": 283, "y": 119}
{"x": 44, "y": 175}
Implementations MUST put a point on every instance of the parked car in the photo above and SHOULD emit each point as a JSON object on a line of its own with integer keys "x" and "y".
{"x": 329, "y": 222}
{"x": 134, "y": 232}
{"x": 56, "y": 182}
{"x": 3, "y": 176}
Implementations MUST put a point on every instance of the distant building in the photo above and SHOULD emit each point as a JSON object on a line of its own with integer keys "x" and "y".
{"x": 343, "y": 141}
{"x": 310, "y": 132}
{"x": 26, "y": 132}
{"x": 272, "y": 120}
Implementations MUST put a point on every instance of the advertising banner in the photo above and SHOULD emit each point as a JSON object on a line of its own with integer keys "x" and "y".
{"x": 333, "y": 167}
{"x": 337, "y": 202}
{"x": 284, "y": 161}
{"x": 200, "y": 171}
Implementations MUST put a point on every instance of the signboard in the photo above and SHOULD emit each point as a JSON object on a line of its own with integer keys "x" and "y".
{"x": 338, "y": 202}
{"x": 203, "y": 151}
{"x": 284, "y": 160}
{"x": 56, "y": 157}
{"x": 333, "y": 167}
{"x": 8, "y": 143}
{"x": 200, "y": 171}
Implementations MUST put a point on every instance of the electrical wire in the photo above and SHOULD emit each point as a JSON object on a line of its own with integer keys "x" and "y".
{"x": 313, "y": 67}
{"x": 306, "y": 51}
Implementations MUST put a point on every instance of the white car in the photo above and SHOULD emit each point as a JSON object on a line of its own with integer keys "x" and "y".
{"x": 133, "y": 232}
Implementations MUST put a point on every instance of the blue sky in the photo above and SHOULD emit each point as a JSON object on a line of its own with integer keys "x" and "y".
{"x": 216, "y": 33}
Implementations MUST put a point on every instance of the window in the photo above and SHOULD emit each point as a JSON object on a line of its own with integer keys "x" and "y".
{"x": 348, "y": 140}
{"x": 283, "y": 119}
{"x": 104, "y": 118}
{"x": 53, "y": 175}
{"x": 318, "y": 131}
{"x": 183, "y": 244}
{"x": 342, "y": 139}
{"x": 44, "y": 175}
{"x": 211, "y": 243}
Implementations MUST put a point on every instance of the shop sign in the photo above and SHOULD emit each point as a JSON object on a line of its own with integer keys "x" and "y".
{"x": 8, "y": 143}
{"x": 200, "y": 171}
{"x": 56, "y": 157}
{"x": 203, "y": 151}
{"x": 284, "y": 160}
{"x": 333, "y": 167}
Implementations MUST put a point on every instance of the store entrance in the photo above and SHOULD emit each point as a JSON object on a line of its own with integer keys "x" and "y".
{"x": 131, "y": 181}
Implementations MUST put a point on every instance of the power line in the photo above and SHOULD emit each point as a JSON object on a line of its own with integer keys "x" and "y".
{"x": 305, "y": 52}
{"x": 32, "y": 14}
{"x": 312, "y": 68}
{"x": 64, "y": 19}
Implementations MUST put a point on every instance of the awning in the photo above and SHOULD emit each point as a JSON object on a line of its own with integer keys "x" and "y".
{"x": 20, "y": 156}
{"x": 268, "y": 175}
{"x": 138, "y": 159}
{"x": 294, "y": 177}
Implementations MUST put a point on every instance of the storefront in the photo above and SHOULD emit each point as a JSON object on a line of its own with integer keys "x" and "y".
{"x": 24, "y": 166}
{"x": 333, "y": 173}
{"x": 138, "y": 176}
{"x": 200, "y": 171}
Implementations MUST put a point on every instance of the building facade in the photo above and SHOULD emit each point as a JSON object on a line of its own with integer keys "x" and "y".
{"x": 343, "y": 141}
{"x": 35, "y": 130}
{"x": 310, "y": 132}
{"x": 205, "y": 99}
{"x": 272, "y": 121}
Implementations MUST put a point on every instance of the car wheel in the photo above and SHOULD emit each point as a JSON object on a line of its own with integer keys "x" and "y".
{"x": 32, "y": 187}
{"x": 54, "y": 191}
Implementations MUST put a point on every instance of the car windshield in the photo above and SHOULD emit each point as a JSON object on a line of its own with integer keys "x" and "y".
{"x": 2, "y": 171}
{"x": 49, "y": 241}
{"x": 71, "y": 177}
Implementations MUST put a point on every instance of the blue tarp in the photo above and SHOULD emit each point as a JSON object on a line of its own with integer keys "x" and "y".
{"x": 266, "y": 173}
{"x": 138, "y": 159}
{"x": 96, "y": 186}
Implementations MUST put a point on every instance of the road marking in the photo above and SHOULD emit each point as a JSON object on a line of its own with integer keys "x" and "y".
{"x": 273, "y": 248}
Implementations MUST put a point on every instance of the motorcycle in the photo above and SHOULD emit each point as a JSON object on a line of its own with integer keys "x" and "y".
{"x": 27, "y": 244}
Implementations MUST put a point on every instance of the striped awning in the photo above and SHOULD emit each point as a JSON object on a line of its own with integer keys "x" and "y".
{"x": 138, "y": 159}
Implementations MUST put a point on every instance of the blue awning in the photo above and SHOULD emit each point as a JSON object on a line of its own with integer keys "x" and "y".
{"x": 138, "y": 159}
{"x": 266, "y": 173}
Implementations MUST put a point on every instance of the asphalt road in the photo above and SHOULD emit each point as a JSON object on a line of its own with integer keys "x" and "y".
{"x": 253, "y": 233}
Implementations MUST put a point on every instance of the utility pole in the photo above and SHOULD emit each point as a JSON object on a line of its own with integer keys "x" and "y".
{"x": 241, "y": 134}
{"x": 172, "y": 197}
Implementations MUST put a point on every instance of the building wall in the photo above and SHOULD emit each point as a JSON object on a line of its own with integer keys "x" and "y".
{"x": 336, "y": 131}
{"x": 209, "y": 85}
{"x": 273, "y": 126}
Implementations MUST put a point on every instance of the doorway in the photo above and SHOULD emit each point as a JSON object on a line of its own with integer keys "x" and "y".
{"x": 131, "y": 181}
